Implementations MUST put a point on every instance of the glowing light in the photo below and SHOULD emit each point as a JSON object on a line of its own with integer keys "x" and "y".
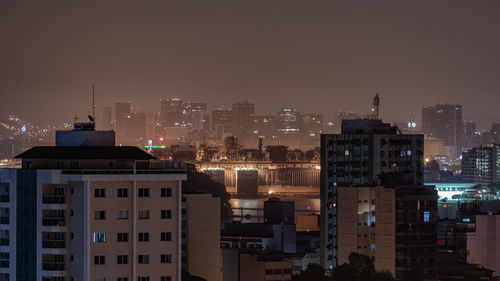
{"x": 318, "y": 167}
{"x": 270, "y": 192}
{"x": 23, "y": 128}
{"x": 155, "y": 146}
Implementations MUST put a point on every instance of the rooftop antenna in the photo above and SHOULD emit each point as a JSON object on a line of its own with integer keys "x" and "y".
{"x": 92, "y": 117}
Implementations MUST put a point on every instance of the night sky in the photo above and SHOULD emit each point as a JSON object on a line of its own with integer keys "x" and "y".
{"x": 318, "y": 56}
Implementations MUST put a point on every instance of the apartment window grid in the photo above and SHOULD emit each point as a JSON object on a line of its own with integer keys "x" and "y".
{"x": 99, "y": 192}
{"x": 166, "y": 214}
{"x": 143, "y": 236}
{"x": 166, "y": 236}
{"x": 166, "y": 258}
{"x": 122, "y": 192}
{"x": 122, "y": 259}
{"x": 143, "y": 192}
{"x": 122, "y": 237}
{"x": 122, "y": 215}
{"x": 166, "y": 192}
{"x": 100, "y": 215}
{"x": 99, "y": 259}
{"x": 143, "y": 214}
{"x": 143, "y": 259}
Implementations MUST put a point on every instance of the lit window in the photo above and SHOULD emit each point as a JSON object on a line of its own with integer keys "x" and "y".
{"x": 99, "y": 237}
{"x": 372, "y": 247}
{"x": 427, "y": 216}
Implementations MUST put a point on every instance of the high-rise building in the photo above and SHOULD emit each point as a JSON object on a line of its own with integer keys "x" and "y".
{"x": 444, "y": 121}
{"x": 171, "y": 112}
{"x": 366, "y": 153}
{"x": 481, "y": 165}
{"x": 122, "y": 116}
{"x": 107, "y": 121}
{"x": 88, "y": 210}
{"x": 289, "y": 121}
{"x": 193, "y": 114}
{"x": 242, "y": 118}
{"x": 483, "y": 244}
{"x": 222, "y": 122}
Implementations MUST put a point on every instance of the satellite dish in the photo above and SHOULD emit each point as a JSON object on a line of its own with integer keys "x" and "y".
{"x": 91, "y": 118}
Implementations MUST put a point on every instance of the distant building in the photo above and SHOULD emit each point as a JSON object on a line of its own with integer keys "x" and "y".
{"x": 222, "y": 122}
{"x": 107, "y": 119}
{"x": 171, "y": 112}
{"x": 122, "y": 115}
{"x": 481, "y": 165}
{"x": 201, "y": 251}
{"x": 88, "y": 210}
{"x": 444, "y": 121}
{"x": 243, "y": 119}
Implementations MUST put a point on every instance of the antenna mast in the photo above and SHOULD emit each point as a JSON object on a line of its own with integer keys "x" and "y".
{"x": 93, "y": 102}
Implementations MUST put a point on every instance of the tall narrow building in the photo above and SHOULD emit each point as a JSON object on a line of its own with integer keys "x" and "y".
{"x": 243, "y": 119}
{"x": 88, "y": 210}
{"x": 366, "y": 153}
{"x": 444, "y": 121}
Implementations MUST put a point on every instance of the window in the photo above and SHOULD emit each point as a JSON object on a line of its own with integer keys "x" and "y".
{"x": 144, "y": 236}
{"x": 99, "y": 260}
{"x": 372, "y": 247}
{"x": 166, "y": 214}
{"x": 143, "y": 192}
{"x": 122, "y": 214}
{"x": 166, "y": 192}
{"x": 122, "y": 279}
{"x": 166, "y": 278}
{"x": 166, "y": 258}
{"x": 4, "y": 260}
{"x": 122, "y": 259}
{"x": 99, "y": 237}
{"x": 143, "y": 259}
{"x": 427, "y": 216}
{"x": 100, "y": 215}
{"x": 166, "y": 236}
{"x": 143, "y": 214}
{"x": 122, "y": 192}
{"x": 99, "y": 192}
{"x": 143, "y": 278}
{"x": 122, "y": 237}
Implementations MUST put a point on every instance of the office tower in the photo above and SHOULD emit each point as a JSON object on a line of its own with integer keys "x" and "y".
{"x": 444, "y": 121}
{"x": 193, "y": 114}
{"x": 312, "y": 125}
{"x": 366, "y": 153}
{"x": 222, "y": 122}
{"x": 289, "y": 121}
{"x": 107, "y": 121}
{"x": 481, "y": 165}
{"x": 171, "y": 112}
{"x": 122, "y": 116}
{"x": 201, "y": 252}
{"x": 88, "y": 210}
{"x": 243, "y": 119}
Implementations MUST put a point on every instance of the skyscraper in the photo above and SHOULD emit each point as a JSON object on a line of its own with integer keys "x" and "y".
{"x": 107, "y": 121}
{"x": 171, "y": 112}
{"x": 243, "y": 119}
{"x": 444, "y": 121}
{"x": 222, "y": 122}
{"x": 122, "y": 115}
{"x": 366, "y": 153}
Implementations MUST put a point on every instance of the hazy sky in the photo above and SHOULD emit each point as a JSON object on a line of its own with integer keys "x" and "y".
{"x": 318, "y": 56}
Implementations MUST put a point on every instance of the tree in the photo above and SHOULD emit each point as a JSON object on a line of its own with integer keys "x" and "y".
{"x": 313, "y": 272}
{"x": 359, "y": 268}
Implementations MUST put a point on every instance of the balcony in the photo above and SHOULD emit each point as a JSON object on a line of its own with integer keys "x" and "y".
{"x": 53, "y": 222}
{"x": 53, "y": 244}
{"x": 53, "y": 199}
{"x": 53, "y": 266}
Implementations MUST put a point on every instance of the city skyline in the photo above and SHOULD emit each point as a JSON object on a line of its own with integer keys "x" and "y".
{"x": 338, "y": 55}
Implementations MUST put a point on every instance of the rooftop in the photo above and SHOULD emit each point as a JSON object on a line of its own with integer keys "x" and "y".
{"x": 86, "y": 152}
